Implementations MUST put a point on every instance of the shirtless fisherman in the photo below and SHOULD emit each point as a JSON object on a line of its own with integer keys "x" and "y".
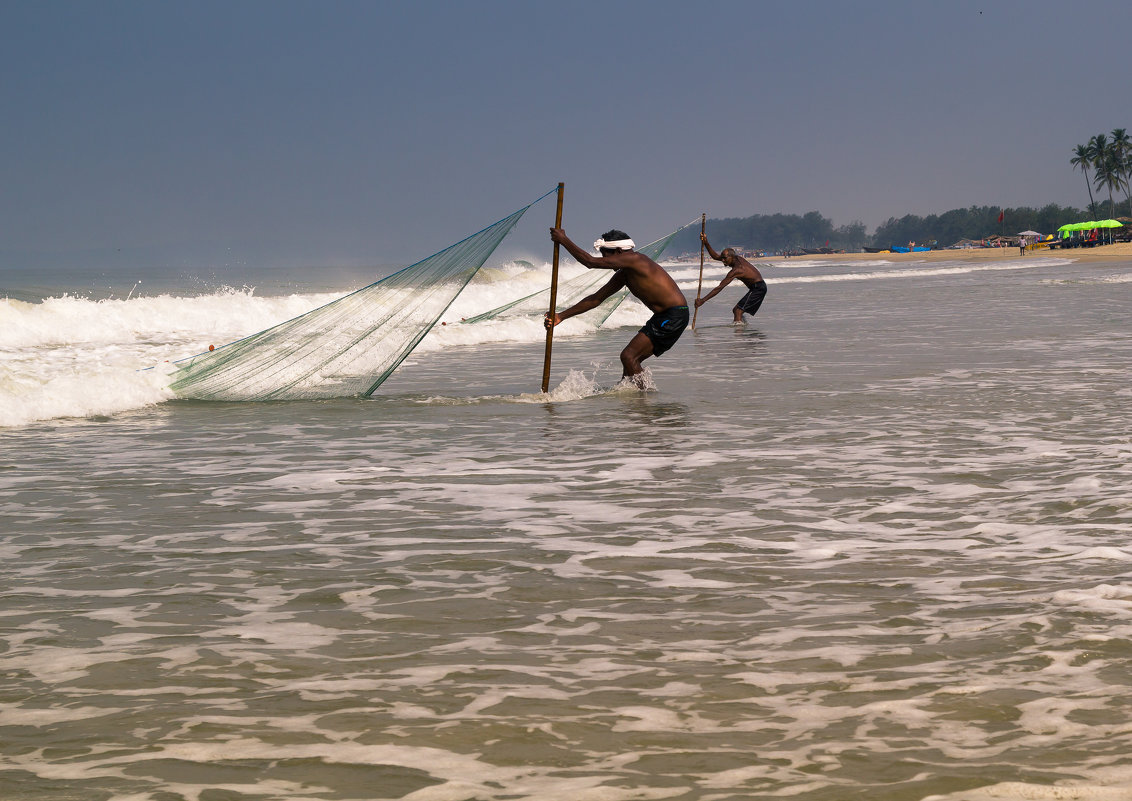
{"x": 745, "y": 272}
{"x": 648, "y": 282}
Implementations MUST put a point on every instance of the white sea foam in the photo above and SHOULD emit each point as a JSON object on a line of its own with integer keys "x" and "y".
{"x": 857, "y": 548}
{"x": 71, "y": 356}
{"x": 75, "y": 357}
{"x": 1022, "y": 791}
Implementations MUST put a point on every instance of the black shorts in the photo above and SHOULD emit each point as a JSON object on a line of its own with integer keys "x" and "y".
{"x": 751, "y": 302}
{"x": 665, "y": 327}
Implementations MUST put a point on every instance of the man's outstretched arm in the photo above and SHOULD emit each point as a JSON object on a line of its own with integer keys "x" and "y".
{"x": 591, "y": 301}
{"x": 727, "y": 280}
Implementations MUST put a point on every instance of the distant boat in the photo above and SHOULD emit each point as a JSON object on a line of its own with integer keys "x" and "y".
{"x": 874, "y": 250}
{"x": 916, "y": 249}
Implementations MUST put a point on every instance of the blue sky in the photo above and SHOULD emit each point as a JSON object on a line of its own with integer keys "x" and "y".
{"x": 358, "y": 133}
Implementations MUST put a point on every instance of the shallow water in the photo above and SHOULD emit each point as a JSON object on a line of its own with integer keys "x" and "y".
{"x": 873, "y": 545}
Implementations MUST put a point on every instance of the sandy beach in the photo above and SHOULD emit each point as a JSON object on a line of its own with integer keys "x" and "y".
{"x": 1105, "y": 253}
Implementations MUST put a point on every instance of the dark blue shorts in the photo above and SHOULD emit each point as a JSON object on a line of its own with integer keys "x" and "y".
{"x": 665, "y": 327}
{"x": 751, "y": 302}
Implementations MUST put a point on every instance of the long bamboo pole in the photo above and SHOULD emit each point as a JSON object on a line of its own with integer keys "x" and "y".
{"x": 700, "y": 285}
{"x": 553, "y": 293}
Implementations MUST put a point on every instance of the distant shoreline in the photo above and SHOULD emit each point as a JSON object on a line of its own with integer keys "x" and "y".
{"x": 1115, "y": 253}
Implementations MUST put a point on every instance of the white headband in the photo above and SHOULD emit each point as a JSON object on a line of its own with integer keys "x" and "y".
{"x": 617, "y": 244}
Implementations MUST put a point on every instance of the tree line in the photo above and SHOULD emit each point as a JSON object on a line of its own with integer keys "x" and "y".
{"x": 1105, "y": 160}
{"x": 974, "y": 223}
{"x": 775, "y": 233}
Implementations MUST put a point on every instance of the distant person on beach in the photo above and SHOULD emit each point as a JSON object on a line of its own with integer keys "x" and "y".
{"x": 648, "y": 282}
{"x": 746, "y": 273}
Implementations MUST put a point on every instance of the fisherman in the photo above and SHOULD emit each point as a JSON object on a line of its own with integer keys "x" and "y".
{"x": 743, "y": 270}
{"x": 648, "y": 282}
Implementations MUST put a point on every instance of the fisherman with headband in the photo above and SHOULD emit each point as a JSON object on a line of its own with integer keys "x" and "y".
{"x": 648, "y": 282}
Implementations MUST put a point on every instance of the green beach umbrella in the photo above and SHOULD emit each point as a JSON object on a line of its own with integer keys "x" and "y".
{"x": 1109, "y": 224}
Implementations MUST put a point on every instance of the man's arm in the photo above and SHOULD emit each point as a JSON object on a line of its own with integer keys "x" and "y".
{"x": 710, "y": 251}
{"x": 614, "y": 261}
{"x": 591, "y": 301}
{"x": 726, "y": 280}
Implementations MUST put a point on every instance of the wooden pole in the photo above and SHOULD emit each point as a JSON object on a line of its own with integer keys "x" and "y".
{"x": 700, "y": 285}
{"x": 553, "y": 293}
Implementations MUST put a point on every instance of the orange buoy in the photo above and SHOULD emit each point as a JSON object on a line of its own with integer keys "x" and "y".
{"x": 212, "y": 347}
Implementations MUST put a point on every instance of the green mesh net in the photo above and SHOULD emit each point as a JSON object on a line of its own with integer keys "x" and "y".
{"x": 570, "y": 292}
{"x": 349, "y": 346}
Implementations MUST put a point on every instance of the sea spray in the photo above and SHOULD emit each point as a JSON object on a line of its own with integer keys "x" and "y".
{"x": 78, "y": 392}
{"x": 577, "y": 386}
{"x": 68, "y": 355}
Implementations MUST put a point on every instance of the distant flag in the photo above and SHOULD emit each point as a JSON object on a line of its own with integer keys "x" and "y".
{"x": 1001, "y": 214}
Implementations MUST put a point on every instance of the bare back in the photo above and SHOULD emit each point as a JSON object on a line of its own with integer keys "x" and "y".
{"x": 746, "y": 272}
{"x": 649, "y": 282}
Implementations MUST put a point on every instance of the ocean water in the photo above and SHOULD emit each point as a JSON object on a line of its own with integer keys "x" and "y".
{"x": 872, "y": 545}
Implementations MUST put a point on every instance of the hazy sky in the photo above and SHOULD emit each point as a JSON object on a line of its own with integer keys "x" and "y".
{"x": 342, "y": 132}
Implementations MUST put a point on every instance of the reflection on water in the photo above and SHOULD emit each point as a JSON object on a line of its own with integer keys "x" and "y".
{"x": 649, "y": 408}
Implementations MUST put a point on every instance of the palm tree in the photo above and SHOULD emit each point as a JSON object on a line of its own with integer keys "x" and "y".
{"x": 1107, "y": 168}
{"x": 1098, "y": 149}
{"x": 1122, "y": 144}
{"x": 1082, "y": 160}
{"x": 1106, "y": 175}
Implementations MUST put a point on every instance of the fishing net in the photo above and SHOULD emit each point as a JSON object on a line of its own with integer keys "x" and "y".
{"x": 570, "y": 292}
{"x": 349, "y": 346}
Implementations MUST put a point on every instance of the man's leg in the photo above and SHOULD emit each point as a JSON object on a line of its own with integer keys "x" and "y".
{"x": 750, "y": 303}
{"x": 638, "y": 349}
